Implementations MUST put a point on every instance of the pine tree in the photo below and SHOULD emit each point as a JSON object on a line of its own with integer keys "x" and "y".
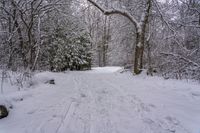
{"x": 69, "y": 52}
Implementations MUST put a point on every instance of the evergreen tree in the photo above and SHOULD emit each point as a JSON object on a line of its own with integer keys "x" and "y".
{"x": 69, "y": 52}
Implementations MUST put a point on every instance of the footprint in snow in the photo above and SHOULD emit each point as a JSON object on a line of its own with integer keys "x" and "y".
{"x": 83, "y": 95}
{"x": 152, "y": 106}
{"x": 196, "y": 94}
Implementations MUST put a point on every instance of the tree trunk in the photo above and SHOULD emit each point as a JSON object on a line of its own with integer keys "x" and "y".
{"x": 21, "y": 40}
{"x": 140, "y": 40}
{"x": 105, "y": 40}
{"x": 10, "y": 60}
{"x": 139, "y": 50}
{"x": 150, "y": 69}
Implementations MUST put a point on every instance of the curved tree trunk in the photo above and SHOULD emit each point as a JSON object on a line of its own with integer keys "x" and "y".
{"x": 140, "y": 40}
{"x": 140, "y": 28}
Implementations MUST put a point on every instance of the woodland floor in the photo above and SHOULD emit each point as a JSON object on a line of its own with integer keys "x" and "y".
{"x": 104, "y": 101}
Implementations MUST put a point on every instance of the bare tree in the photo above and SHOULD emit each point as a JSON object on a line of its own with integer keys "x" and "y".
{"x": 140, "y": 30}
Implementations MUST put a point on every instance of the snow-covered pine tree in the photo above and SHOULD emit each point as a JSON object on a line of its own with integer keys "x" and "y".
{"x": 70, "y": 52}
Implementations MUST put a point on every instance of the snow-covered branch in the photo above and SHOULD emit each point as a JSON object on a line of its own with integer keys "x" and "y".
{"x": 163, "y": 18}
{"x": 117, "y": 11}
{"x": 182, "y": 58}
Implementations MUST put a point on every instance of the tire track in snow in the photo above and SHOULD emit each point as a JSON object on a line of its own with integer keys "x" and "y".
{"x": 77, "y": 118}
{"x": 91, "y": 113}
{"x": 65, "y": 119}
{"x": 59, "y": 110}
{"x": 102, "y": 104}
{"x": 82, "y": 114}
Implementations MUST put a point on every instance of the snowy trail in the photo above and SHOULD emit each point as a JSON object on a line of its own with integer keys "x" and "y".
{"x": 107, "y": 102}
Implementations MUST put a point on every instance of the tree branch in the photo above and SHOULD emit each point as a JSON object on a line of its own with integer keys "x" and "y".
{"x": 182, "y": 58}
{"x": 116, "y": 11}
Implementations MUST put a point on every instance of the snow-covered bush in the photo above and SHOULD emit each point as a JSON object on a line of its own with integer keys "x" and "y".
{"x": 70, "y": 52}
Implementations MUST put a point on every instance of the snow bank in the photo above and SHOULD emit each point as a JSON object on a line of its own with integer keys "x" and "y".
{"x": 41, "y": 78}
{"x": 106, "y": 69}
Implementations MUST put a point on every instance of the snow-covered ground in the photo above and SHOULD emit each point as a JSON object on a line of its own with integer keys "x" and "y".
{"x": 103, "y": 101}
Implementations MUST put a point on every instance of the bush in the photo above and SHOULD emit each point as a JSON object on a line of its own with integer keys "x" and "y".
{"x": 70, "y": 53}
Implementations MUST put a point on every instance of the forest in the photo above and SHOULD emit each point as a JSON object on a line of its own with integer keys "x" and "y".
{"x": 160, "y": 36}
{"x": 99, "y": 66}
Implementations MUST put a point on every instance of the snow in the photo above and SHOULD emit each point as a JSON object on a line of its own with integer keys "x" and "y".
{"x": 103, "y": 100}
{"x": 106, "y": 69}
